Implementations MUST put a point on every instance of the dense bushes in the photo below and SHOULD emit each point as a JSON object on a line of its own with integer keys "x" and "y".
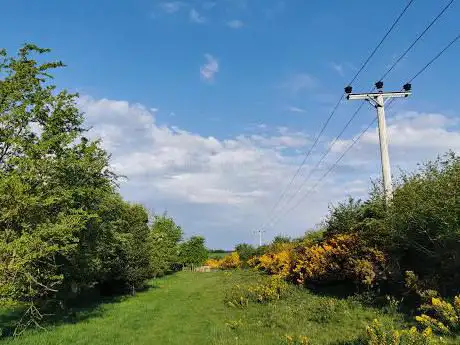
{"x": 230, "y": 261}
{"x": 374, "y": 245}
{"x": 64, "y": 228}
{"x": 339, "y": 258}
{"x": 419, "y": 230}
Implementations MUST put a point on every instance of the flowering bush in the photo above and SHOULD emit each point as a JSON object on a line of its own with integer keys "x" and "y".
{"x": 378, "y": 334}
{"x": 227, "y": 262}
{"x": 440, "y": 315}
{"x": 278, "y": 263}
{"x": 213, "y": 263}
{"x": 265, "y": 291}
{"x": 230, "y": 261}
{"x": 339, "y": 258}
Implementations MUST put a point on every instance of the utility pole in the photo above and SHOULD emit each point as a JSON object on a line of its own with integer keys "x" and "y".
{"x": 378, "y": 99}
{"x": 260, "y": 231}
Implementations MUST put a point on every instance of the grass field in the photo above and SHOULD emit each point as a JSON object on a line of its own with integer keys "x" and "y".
{"x": 189, "y": 308}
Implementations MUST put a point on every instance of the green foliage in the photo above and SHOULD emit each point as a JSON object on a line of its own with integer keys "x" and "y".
{"x": 245, "y": 251}
{"x": 424, "y": 223}
{"x": 165, "y": 237}
{"x": 63, "y": 226}
{"x": 419, "y": 231}
{"x": 193, "y": 251}
{"x": 382, "y": 334}
{"x": 52, "y": 181}
{"x": 440, "y": 315}
{"x": 281, "y": 239}
{"x": 263, "y": 291}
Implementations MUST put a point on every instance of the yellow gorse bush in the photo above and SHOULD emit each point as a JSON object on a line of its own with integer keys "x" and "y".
{"x": 440, "y": 315}
{"x": 213, "y": 263}
{"x": 338, "y": 258}
{"x": 276, "y": 263}
{"x": 267, "y": 290}
{"x": 379, "y": 334}
{"x": 342, "y": 257}
{"x": 227, "y": 262}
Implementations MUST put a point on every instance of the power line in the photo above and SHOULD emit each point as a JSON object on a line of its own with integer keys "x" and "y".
{"x": 324, "y": 155}
{"x": 283, "y": 194}
{"x": 315, "y": 143}
{"x": 382, "y": 40}
{"x": 451, "y": 43}
{"x": 416, "y": 75}
{"x": 385, "y": 74}
{"x": 417, "y": 39}
{"x": 328, "y": 171}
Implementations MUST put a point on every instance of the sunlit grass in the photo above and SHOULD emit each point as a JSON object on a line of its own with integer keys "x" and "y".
{"x": 189, "y": 308}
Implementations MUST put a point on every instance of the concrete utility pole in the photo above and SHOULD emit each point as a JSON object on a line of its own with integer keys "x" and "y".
{"x": 260, "y": 236}
{"x": 378, "y": 99}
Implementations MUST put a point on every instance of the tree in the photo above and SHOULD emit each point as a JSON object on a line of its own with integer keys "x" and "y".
{"x": 164, "y": 251}
{"x": 51, "y": 181}
{"x": 193, "y": 251}
{"x": 245, "y": 251}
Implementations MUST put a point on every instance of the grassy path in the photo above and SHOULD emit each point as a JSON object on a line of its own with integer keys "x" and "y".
{"x": 180, "y": 309}
{"x": 188, "y": 308}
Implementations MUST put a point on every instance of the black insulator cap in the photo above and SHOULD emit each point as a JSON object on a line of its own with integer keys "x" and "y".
{"x": 348, "y": 89}
{"x": 379, "y": 85}
{"x": 407, "y": 87}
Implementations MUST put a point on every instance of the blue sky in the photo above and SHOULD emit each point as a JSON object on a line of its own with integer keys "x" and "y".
{"x": 255, "y": 78}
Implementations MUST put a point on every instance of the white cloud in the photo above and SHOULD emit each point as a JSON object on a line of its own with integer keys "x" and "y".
{"x": 209, "y": 5}
{"x": 196, "y": 17}
{"x": 295, "y": 109}
{"x": 299, "y": 82}
{"x": 338, "y": 68}
{"x": 223, "y": 189}
{"x": 413, "y": 137}
{"x": 171, "y": 7}
{"x": 235, "y": 24}
{"x": 210, "y": 68}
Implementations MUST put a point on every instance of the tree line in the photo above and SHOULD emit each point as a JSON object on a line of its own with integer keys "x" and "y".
{"x": 64, "y": 227}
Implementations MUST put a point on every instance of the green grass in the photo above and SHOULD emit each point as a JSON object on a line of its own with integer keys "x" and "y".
{"x": 189, "y": 308}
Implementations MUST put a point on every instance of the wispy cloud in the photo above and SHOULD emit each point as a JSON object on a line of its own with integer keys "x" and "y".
{"x": 299, "y": 82}
{"x": 210, "y": 68}
{"x": 338, "y": 68}
{"x": 196, "y": 17}
{"x": 295, "y": 109}
{"x": 171, "y": 6}
{"x": 209, "y": 5}
{"x": 235, "y": 24}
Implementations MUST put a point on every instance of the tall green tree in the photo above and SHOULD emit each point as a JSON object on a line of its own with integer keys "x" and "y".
{"x": 193, "y": 251}
{"x": 165, "y": 237}
{"x": 51, "y": 180}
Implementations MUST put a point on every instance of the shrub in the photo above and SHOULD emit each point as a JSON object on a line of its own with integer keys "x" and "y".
{"x": 339, "y": 258}
{"x": 424, "y": 224}
{"x": 264, "y": 291}
{"x": 379, "y": 334}
{"x": 440, "y": 315}
{"x": 278, "y": 262}
{"x": 213, "y": 263}
{"x": 245, "y": 251}
{"x": 230, "y": 261}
